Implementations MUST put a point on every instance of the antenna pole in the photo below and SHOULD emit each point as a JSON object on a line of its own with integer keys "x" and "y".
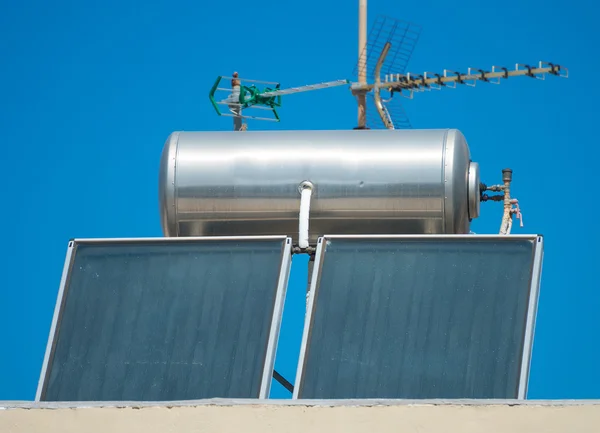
{"x": 235, "y": 94}
{"x": 362, "y": 62}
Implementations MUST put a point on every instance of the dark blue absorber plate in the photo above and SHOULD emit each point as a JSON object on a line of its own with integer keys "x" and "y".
{"x": 148, "y": 321}
{"x": 419, "y": 319}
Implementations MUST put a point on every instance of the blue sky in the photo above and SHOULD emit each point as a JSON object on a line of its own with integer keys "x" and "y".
{"x": 89, "y": 91}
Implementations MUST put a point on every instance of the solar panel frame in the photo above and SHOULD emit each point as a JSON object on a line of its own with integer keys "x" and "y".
{"x": 533, "y": 295}
{"x": 274, "y": 329}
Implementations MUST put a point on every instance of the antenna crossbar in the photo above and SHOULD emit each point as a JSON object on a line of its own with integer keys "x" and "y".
{"x": 307, "y": 88}
{"x": 450, "y": 78}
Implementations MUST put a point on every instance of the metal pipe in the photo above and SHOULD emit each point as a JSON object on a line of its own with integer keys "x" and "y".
{"x": 236, "y": 109}
{"x": 494, "y": 188}
{"x": 311, "y": 265}
{"x": 362, "y": 61}
{"x": 507, "y": 217}
{"x": 305, "y": 195}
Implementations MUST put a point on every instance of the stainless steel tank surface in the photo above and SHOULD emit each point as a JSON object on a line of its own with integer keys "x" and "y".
{"x": 365, "y": 182}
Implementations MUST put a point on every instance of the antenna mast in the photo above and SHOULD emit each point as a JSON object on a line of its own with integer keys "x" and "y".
{"x": 383, "y": 57}
{"x": 362, "y": 62}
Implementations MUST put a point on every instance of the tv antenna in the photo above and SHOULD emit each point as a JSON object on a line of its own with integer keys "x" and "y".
{"x": 381, "y": 74}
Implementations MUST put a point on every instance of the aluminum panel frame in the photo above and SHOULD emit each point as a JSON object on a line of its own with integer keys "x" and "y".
{"x": 279, "y": 300}
{"x": 533, "y": 295}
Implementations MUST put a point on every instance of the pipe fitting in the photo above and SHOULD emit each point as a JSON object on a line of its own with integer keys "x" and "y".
{"x": 307, "y": 184}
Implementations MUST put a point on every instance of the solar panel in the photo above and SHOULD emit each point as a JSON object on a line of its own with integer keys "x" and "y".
{"x": 419, "y": 317}
{"x": 166, "y": 319}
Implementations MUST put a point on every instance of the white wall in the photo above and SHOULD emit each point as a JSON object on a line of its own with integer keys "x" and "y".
{"x": 280, "y": 417}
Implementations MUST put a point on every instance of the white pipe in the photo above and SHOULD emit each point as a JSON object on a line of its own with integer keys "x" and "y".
{"x": 305, "y": 196}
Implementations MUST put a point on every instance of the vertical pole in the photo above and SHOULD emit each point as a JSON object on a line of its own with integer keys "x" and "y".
{"x": 235, "y": 95}
{"x": 362, "y": 61}
{"x": 507, "y": 217}
{"x": 311, "y": 266}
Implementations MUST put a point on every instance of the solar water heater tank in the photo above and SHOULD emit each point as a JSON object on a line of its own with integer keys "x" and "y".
{"x": 364, "y": 182}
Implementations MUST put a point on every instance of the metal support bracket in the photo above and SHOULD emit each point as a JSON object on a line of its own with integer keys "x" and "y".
{"x": 383, "y": 113}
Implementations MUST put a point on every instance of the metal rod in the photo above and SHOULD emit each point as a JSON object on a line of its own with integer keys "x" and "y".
{"x": 306, "y": 88}
{"x": 283, "y": 381}
{"x": 236, "y": 104}
{"x": 412, "y": 83}
{"x": 233, "y": 104}
{"x": 362, "y": 61}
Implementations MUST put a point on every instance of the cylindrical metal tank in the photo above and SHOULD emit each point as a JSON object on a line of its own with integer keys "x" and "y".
{"x": 365, "y": 182}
